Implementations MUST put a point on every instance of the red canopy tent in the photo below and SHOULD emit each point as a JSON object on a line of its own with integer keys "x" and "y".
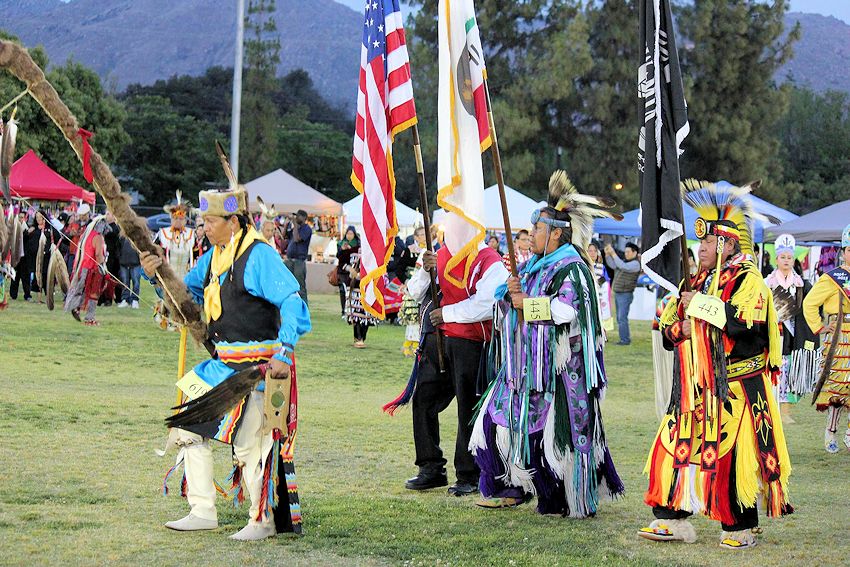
{"x": 32, "y": 179}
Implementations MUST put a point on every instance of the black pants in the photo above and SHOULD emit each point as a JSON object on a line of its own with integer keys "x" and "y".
{"x": 22, "y": 276}
{"x": 360, "y": 330}
{"x": 434, "y": 393}
{"x": 343, "y": 293}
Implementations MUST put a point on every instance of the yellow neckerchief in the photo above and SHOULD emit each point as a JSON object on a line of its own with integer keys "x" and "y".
{"x": 222, "y": 259}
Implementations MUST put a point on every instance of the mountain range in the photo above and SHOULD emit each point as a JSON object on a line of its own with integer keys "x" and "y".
{"x": 140, "y": 41}
{"x": 822, "y": 56}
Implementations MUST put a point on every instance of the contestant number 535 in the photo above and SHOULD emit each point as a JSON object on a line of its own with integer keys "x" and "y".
{"x": 708, "y": 308}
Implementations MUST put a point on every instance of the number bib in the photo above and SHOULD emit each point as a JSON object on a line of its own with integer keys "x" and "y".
{"x": 708, "y": 308}
{"x": 537, "y": 309}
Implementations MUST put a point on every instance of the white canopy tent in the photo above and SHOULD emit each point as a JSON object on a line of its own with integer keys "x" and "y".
{"x": 406, "y": 217}
{"x": 288, "y": 194}
{"x": 520, "y": 208}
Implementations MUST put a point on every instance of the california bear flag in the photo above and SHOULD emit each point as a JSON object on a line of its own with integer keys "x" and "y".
{"x": 463, "y": 134}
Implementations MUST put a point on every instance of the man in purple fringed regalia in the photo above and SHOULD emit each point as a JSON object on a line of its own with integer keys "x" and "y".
{"x": 539, "y": 429}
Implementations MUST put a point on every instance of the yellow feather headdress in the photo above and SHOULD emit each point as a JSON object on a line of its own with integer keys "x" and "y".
{"x": 726, "y": 211}
{"x": 582, "y": 209}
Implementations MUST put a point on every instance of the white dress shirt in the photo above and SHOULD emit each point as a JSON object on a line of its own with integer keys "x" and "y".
{"x": 478, "y": 307}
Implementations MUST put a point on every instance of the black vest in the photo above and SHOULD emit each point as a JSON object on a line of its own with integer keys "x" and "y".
{"x": 244, "y": 317}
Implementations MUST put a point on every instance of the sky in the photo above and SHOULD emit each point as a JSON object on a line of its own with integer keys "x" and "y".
{"x": 838, "y": 8}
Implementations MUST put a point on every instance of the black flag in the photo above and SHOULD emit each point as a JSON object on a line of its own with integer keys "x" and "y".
{"x": 664, "y": 124}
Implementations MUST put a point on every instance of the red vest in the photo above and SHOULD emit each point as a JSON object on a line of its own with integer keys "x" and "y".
{"x": 452, "y": 294}
{"x": 89, "y": 260}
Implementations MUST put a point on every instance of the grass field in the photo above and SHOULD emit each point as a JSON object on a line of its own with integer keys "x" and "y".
{"x": 82, "y": 413}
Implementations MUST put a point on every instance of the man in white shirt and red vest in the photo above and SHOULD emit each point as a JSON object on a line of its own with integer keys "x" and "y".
{"x": 465, "y": 320}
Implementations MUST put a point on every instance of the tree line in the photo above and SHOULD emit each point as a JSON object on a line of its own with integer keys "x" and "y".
{"x": 563, "y": 78}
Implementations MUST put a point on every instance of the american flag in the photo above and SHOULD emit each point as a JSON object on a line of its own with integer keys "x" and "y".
{"x": 384, "y": 108}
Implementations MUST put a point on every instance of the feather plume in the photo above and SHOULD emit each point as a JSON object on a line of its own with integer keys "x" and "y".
{"x": 39, "y": 260}
{"x": 561, "y": 190}
{"x": 7, "y": 151}
{"x": 51, "y": 283}
{"x": 225, "y": 164}
{"x": 57, "y": 272}
{"x": 4, "y": 234}
{"x": 18, "y": 242}
{"x": 269, "y": 213}
{"x": 10, "y": 234}
{"x": 692, "y": 184}
{"x": 785, "y": 303}
{"x": 62, "y": 277}
{"x": 582, "y": 209}
{"x": 219, "y": 400}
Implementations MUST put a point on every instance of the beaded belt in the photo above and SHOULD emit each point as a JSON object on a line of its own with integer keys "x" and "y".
{"x": 746, "y": 367}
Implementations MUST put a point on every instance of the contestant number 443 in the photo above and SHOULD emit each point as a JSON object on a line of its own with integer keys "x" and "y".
{"x": 708, "y": 308}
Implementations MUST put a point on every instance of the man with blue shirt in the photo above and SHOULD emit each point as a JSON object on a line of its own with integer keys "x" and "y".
{"x": 298, "y": 233}
{"x": 254, "y": 315}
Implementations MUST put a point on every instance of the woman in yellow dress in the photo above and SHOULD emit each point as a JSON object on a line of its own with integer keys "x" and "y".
{"x": 831, "y": 293}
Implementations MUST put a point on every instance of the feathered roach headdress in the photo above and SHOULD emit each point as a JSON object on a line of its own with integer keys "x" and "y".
{"x": 726, "y": 212}
{"x": 564, "y": 197}
{"x": 179, "y": 209}
{"x": 231, "y": 201}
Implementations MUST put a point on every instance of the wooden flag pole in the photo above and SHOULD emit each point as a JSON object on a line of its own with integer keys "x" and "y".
{"x": 686, "y": 268}
{"x": 500, "y": 181}
{"x": 426, "y": 224}
{"x": 181, "y": 362}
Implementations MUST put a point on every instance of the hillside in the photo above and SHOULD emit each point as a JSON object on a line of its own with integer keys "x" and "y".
{"x": 822, "y": 56}
{"x": 140, "y": 41}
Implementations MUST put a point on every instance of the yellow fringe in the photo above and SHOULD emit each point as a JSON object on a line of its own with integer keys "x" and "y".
{"x": 779, "y": 438}
{"x": 685, "y": 479}
{"x": 670, "y": 314}
{"x": 747, "y": 472}
{"x": 750, "y": 294}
